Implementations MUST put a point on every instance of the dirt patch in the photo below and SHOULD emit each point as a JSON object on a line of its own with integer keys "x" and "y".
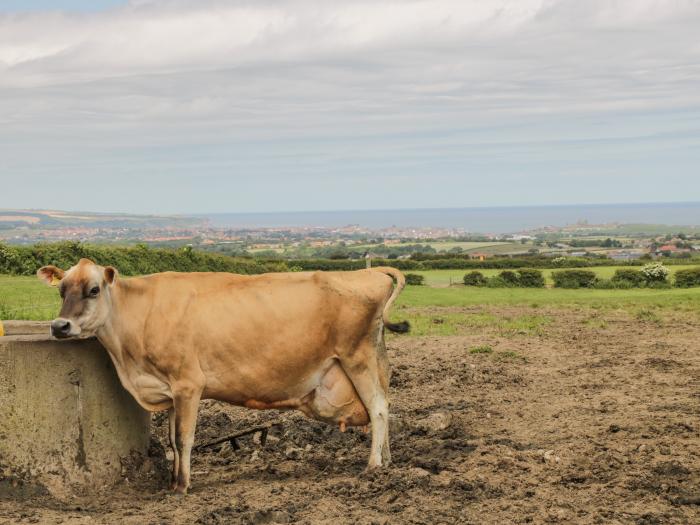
{"x": 592, "y": 423}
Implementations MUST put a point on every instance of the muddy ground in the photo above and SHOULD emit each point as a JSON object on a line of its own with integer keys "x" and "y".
{"x": 592, "y": 419}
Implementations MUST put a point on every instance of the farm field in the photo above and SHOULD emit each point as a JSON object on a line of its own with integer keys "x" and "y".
{"x": 490, "y": 247}
{"x": 440, "y": 246}
{"x": 589, "y": 418}
{"x": 26, "y": 298}
{"x": 507, "y": 406}
{"x": 447, "y": 277}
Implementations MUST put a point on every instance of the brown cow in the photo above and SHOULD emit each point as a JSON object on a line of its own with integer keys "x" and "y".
{"x": 310, "y": 341}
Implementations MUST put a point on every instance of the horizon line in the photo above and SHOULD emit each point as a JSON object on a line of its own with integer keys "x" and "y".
{"x": 354, "y": 210}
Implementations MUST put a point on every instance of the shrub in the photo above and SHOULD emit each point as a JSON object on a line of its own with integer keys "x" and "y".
{"x": 655, "y": 273}
{"x": 529, "y": 278}
{"x": 688, "y": 278}
{"x": 574, "y": 278}
{"x": 605, "y": 284}
{"x": 474, "y": 279}
{"x": 509, "y": 277}
{"x": 414, "y": 279}
{"x": 610, "y": 284}
{"x": 629, "y": 275}
{"x": 659, "y": 285}
{"x": 497, "y": 282}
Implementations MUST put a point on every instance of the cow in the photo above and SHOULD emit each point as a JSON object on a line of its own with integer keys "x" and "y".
{"x": 311, "y": 341}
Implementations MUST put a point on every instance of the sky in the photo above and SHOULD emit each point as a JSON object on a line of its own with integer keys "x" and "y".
{"x": 205, "y": 106}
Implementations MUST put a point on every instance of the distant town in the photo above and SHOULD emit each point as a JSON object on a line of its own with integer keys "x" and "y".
{"x": 614, "y": 240}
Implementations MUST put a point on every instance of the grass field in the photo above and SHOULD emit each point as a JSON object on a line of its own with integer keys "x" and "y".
{"x": 467, "y": 246}
{"x": 439, "y": 278}
{"x": 27, "y": 298}
{"x": 423, "y": 296}
{"x": 472, "y": 246}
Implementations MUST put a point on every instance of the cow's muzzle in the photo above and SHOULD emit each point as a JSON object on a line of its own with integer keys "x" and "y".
{"x": 62, "y": 328}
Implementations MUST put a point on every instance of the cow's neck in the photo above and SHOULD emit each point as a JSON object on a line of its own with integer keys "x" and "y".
{"x": 120, "y": 333}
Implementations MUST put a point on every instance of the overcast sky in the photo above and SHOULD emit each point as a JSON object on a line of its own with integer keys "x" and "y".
{"x": 176, "y": 106}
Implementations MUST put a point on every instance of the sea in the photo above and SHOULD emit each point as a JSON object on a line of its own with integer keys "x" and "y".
{"x": 498, "y": 220}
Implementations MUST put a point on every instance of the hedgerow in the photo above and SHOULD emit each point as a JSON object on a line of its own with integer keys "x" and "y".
{"x": 134, "y": 260}
{"x": 688, "y": 278}
{"x": 574, "y": 278}
{"x": 524, "y": 278}
{"x": 414, "y": 279}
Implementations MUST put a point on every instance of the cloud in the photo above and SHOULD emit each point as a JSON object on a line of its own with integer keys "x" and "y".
{"x": 316, "y": 86}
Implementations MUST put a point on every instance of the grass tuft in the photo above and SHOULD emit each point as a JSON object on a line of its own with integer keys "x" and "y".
{"x": 647, "y": 315}
{"x": 509, "y": 355}
{"x": 483, "y": 349}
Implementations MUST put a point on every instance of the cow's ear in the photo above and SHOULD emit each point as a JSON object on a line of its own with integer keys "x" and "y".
{"x": 111, "y": 275}
{"x": 50, "y": 275}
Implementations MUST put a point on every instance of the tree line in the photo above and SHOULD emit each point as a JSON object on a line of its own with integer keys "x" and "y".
{"x": 142, "y": 259}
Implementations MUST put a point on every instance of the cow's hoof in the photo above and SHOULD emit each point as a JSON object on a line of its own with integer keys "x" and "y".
{"x": 180, "y": 491}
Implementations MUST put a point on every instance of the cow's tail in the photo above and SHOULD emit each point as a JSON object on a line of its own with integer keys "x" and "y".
{"x": 403, "y": 326}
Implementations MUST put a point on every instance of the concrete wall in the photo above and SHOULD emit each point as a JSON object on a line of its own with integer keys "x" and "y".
{"x": 65, "y": 420}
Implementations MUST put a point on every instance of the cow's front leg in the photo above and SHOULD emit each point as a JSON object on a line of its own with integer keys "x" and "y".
{"x": 186, "y": 404}
{"x": 173, "y": 445}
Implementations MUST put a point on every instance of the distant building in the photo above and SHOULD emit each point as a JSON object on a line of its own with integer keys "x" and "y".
{"x": 625, "y": 255}
{"x": 520, "y": 237}
{"x": 667, "y": 248}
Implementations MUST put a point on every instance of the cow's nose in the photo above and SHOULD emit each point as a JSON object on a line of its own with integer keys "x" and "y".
{"x": 60, "y": 327}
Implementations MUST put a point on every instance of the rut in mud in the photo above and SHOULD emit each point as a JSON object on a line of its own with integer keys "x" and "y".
{"x": 593, "y": 418}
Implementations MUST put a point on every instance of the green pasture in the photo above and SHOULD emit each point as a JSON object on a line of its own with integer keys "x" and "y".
{"x": 441, "y": 311}
{"x": 27, "y": 298}
{"x": 683, "y": 299}
{"x": 491, "y": 247}
{"x": 441, "y": 278}
{"x": 486, "y": 246}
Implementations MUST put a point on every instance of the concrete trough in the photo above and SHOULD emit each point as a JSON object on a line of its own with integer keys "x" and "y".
{"x": 66, "y": 423}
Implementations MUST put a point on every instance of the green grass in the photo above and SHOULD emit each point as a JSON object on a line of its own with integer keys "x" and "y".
{"x": 447, "y": 277}
{"x": 509, "y": 355}
{"x": 27, "y": 298}
{"x": 425, "y": 322}
{"x": 493, "y": 247}
{"x": 647, "y": 315}
{"x": 483, "y": 349}
{"x": 685, "y": 299}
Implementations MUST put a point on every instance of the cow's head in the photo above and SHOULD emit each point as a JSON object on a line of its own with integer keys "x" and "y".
{"x": 86, "y": 292}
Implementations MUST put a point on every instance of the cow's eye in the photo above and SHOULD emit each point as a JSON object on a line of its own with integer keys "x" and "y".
{"x": 95, "y": 291}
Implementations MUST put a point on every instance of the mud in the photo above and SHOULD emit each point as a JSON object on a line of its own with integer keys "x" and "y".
{"x": 582, "y": 423}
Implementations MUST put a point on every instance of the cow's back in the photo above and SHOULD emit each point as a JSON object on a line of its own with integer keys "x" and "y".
{"x": 248, "y": 331}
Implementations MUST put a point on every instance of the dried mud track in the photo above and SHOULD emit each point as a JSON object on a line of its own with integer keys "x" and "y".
{"x": 594, "y": 420}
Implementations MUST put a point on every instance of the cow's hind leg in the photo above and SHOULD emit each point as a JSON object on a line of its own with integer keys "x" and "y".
{"x": 173, "y": 445}
{"x": 361, "y": 367}
{"x": 186, "y": 404}
{"x": 384, "y": 377}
